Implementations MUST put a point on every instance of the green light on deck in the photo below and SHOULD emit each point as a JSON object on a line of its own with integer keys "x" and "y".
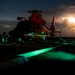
{"x": 65, "y": 43}
{"x": 31, "y": 34}
{"x": 62, "y": 39}
{"x": 37, "y": 52}
{"x": 59, "y": 56}
{"x": 19, "y": 39}
{"x": 42, "y": 32}
{"x": 3, "y": 40}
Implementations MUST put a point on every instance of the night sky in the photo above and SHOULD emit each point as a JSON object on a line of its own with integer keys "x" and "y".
{"x": 63, "y": 10}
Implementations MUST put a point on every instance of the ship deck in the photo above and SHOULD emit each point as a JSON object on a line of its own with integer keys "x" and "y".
{"x": 53, "y": 55}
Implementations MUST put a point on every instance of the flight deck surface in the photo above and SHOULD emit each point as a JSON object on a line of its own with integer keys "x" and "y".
{"x": 31, "y": 54}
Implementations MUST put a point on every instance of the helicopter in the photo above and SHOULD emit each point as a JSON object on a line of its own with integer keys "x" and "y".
{"x": 34, "y": 27}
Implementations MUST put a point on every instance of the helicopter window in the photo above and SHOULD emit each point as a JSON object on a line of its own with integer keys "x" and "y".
{"x": 38, "y": 26}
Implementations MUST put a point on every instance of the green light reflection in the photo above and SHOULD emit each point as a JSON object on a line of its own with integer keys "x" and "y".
{"x": 34, "y": 53}
{"x": 58, "y": 55}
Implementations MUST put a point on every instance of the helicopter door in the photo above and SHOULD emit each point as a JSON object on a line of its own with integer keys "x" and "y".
{"x": 36, "y": 28}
